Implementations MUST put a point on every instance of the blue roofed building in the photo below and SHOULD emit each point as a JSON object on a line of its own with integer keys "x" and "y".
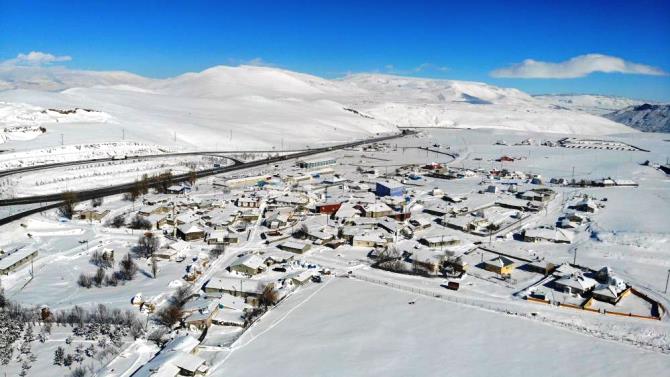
{"x": 389, "y": 188}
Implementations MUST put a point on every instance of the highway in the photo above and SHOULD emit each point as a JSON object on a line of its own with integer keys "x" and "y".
{"x": 125, "y": 187}
{"x": 26, "y": 169}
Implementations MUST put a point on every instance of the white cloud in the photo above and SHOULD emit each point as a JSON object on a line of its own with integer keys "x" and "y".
{"x": 36, "y": 58}
{"x": 579, "y": 66}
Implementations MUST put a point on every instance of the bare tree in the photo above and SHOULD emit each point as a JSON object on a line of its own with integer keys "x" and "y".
{"x": 301, "y": 232}
{"x": 69, "y": 201}
{"x": 169, "y": 315}
{"x": 128, "y": 268}
{"x": 268, "y": 297}
{"x": 147, "y": 245}
{"x": 99, "y": 277}
{"x": 158, "y": 336}
{"x": 181, "y": 295}
{"x": 79, "y": 371}
{"x": 96, "y": 202}
{"x": 217, "y": 251}
{"x": 84, "y": 281}
{"x": 192, "y": 177}
{"x": 118, "y": 221}
{"x": 59, "y": 355}
{"x": 139, "y": 222}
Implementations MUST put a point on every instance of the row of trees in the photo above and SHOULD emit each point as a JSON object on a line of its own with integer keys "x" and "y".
{"x": 160, "y": 182}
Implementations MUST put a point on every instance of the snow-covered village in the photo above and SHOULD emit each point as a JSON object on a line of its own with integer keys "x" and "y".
{"x": 249, "y": 220}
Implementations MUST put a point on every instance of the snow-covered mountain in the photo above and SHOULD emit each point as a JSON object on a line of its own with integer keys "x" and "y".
{"x": 61, "y": 78}
{"x": 418, "y": 90}
{"x": 645, "y": 117}
{"x": 250, "y": 106}
{"x": 416, "y": 102}
{"x": 588, "y": 103}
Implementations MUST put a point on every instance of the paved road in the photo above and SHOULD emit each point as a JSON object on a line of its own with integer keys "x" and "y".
{"x": 26, "y": 169}
{"x": 122, "y": 188}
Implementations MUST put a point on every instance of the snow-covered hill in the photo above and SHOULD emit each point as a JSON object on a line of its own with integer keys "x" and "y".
{"x": 588, "y": 103}
{"x": 262, "y": 107}
{"x": 60, "y": 78}
{"x": 645, "y": 117}
{"x": 414, "y": 102}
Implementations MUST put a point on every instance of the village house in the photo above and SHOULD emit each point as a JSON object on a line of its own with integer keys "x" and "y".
{"x": 220, "y": 218}
{"x": 319, "y": 235}
{"x": 369, "y": 239}
{"x": 550, "y": 235}
{"x": 228, "y": 317}
{"x": 277, "y": 256}
{"x": 10, "y": 262}
{"x": 221, "y": 237}
{"x": 377, "y": 210}
{"x": 278, "y": 218}
{"x": 537, "y": 194}
{"x": 179, "y": 189}
{"x": 301, "y": 278}
{"x": 575, "y": 284}
{"x": 500, "y": 265}
{"x": 293, "y": 200}
{"x": 92, "y": 214}
{"x": 156, "y": 209}
{"x": 462, "y": 223}
{"x": 241, "y": 182}
{"x": 389, "y": 188}
{"x": 328, "y": 208}
{"x": 238, "y": 287}
{"x": 346, "y": 212}
{"x": 249, "y": 264}
{"x": 248, "y": 202}
{"x": 420, "y": 222}
{"x": 586, "y": 205}
{"x": 310, "y": 164}
{"x": 183, "y": 218}
{"x": 294, "y": 247}
{"x": 190, "y": 232}
{"x": 440, "y": 241}
{"x": 175, "y": 359}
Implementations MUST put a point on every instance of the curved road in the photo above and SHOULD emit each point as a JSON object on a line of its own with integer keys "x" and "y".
{"x": 125, "y": 187}
{"x": 26, "y": 169}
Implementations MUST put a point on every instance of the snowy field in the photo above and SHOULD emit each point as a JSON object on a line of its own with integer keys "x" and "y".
{"x": 359, "y": 329}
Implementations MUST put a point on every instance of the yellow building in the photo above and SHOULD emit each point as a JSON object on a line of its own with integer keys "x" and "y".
{"x": 500, "y": 265}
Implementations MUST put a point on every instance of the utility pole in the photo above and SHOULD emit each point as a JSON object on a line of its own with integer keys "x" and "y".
{"x": 666, "y": 282}
{"x": 174, "y": 222}
{"x": 574, "y": 261}
{"x": 61, "y": 139}
{"x": 123, "y": 134}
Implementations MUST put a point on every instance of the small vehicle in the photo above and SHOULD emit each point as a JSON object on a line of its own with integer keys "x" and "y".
{"x": 316, "y": 279}
{"x": 279, "y": 269}
{"x": 452, "y": 285}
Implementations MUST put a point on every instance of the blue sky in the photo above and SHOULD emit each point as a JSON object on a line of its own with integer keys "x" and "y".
{"x": 463, "y": 40}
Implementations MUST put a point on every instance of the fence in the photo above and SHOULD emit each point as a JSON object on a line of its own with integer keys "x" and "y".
{"x": 524, "y": 313}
